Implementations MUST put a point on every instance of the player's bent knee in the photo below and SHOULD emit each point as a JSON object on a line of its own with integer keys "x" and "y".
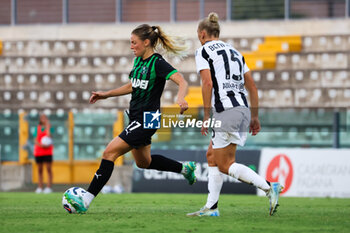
{"x": 111, "y": 156}
{"x": 211, "y": 160}
{"x": 223, "y": 168}
{"x": 142, "y": 164}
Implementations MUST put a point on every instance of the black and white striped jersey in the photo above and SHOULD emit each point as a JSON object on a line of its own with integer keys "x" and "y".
{"x": 227, "y": 68}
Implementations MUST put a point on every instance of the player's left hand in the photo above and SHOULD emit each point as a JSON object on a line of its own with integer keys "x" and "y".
{"x": 183, "y": 105}
{"x": 204, "y": 131}
{"x": 254, "y": 127}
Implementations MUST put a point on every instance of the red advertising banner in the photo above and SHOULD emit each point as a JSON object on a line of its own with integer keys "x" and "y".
{"x": 308, "y": 172}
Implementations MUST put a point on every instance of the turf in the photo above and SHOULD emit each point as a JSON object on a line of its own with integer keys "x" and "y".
{"x": 29, "y": 212}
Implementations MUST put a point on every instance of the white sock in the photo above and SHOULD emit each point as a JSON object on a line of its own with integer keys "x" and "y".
{"x": 88, "y": 197}
{"x": 247, "y": 175}
{"x": 215, "y": 182}
{"x": 183, "y": 170}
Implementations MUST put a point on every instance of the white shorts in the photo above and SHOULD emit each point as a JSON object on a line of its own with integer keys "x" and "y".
{"x": 234, "y": 126}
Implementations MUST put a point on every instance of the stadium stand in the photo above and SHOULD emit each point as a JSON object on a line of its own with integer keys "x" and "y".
{"x": 103, "y": 68}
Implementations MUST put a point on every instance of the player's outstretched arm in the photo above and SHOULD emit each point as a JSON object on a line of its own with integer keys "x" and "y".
{"x": 254, "y": 127}
{"x": 183, "y": 86}
{"x": 98, "y": 95}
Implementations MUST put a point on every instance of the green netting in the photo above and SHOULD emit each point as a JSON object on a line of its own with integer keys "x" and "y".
{"x": 9, "y": 137}
{"x": 92, "y": 133}
{"x": 280, "y": 128}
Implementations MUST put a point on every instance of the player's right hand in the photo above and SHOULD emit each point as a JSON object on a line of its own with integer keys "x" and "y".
{"x": 183, "y": 105}
{"x": 97, "y": 96}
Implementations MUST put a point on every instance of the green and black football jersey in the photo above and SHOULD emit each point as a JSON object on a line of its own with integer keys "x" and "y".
{"x": 148, "y": 80}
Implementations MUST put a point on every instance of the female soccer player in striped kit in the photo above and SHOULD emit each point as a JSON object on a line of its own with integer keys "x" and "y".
{"x": 147, "y": 80}
{"x": 225, "y": 78}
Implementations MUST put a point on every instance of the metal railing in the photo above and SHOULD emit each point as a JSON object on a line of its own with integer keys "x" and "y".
{"x": 82, "y": 137}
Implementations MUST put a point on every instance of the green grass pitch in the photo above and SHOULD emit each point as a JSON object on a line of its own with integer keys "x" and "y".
{"x": 29, "y": 212}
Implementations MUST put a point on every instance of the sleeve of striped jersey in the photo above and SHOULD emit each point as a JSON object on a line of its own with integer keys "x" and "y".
{"x": 201, "y": 63}
{"x": 164, "y": 69}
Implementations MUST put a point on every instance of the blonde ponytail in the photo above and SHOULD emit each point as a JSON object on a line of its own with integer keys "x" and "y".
{"x": 210, "y": 24}
{"x": 170, "y": 44}
{"x": 158, "y": 39}
{"x": 213, "y": 17}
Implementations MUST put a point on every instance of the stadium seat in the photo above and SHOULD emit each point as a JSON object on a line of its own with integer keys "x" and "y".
{"x": 70, "y": 45}
{"x": 326, "y": 43}
{"x": 265, "y": 55}
{"x": 327, "y": 60}
{"x": 58, "y": 62}
{"x": 19, "y": 62}
{"x": 244, "y": 44}
{"x": 6, "y": 45}
{"x": 85, "y": 78}
{"x": 194, "y": 97}
{"x": 20, "y": 46}
{"x": 110, "y": 61}
{"x": 111, "y": 78}
{"x": 7, "y": 80}
{"x": 84, "y": 61}
{"x": 86, "y": 95}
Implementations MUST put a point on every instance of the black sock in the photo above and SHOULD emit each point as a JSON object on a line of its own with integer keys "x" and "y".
{"x": 101, "y": 177}
{"x": 162, "y": 163}
{"x": 214, "y": 206}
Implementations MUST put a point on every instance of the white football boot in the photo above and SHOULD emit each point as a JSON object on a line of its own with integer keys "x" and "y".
{"x": 204, "y": 211}
{"x": 273, "y": 194}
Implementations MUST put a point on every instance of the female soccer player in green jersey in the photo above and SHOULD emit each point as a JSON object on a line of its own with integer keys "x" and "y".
{"x": 147, "y": 80}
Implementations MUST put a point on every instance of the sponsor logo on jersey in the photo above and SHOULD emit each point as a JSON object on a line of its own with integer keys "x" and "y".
{"x": 144, "y": 70}
{"x": 143, "y": 84}
{"x": 230, "y": 85}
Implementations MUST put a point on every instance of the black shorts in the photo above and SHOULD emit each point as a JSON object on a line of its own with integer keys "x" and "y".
{"x": 136, "y": 136}
{"x": 43, "y": 159}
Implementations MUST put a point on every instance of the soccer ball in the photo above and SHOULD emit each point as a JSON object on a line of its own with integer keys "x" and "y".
{"x": 46, "y": 141}
{"x": 77, "y": 191}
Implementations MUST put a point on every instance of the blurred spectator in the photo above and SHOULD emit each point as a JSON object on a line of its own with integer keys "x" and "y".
{"x": 43, "y": 152}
